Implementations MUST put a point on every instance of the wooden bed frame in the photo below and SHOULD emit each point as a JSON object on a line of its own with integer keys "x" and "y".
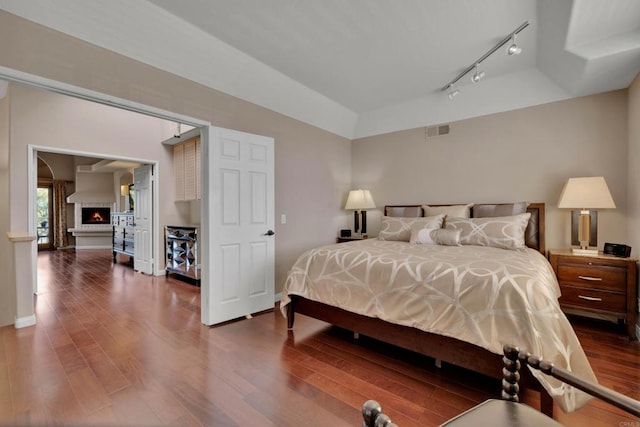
{"x": 441, "y": 348}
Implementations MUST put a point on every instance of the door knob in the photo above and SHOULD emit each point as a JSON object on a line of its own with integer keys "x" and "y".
{"x": 269, "y": 233}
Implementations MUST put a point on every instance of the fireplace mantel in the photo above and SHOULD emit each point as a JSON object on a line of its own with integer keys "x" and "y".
{"x": 106, "y": 231}
{"x": 90, "y": 197}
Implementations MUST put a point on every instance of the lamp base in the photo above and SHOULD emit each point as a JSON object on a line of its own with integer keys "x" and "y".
{"x": 584, "y": 252}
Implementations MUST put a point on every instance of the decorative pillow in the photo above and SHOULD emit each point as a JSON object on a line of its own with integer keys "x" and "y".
{"x": 447, "y": 237}
{"x": 435, "y": 236}
{"x": 503, "y": 209}
{"x": 461, "y": 211}
{"x": 505, "y": 232}
{"x": 399, "y": 228}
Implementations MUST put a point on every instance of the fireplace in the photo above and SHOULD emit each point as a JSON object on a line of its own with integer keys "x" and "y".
{"x": 93, "y": 229}
{"x": 96, "y": 215}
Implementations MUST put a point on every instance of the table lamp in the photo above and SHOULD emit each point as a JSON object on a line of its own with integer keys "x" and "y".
{"x": 585, "y": 194}
{"x": 359, "y": 201}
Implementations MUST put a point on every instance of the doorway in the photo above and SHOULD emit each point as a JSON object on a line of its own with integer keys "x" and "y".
{"x": 44, "y": 206}
{"x": 23, "y": 174}
{"x": 82, "y": 175}
{"x": 211, "y": 242}
{"x": 44, "y": 202}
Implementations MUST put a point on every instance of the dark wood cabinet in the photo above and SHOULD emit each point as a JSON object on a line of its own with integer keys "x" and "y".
{"x": 600, "y": 284}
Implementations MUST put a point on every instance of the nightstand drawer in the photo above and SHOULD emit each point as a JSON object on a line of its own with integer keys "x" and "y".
{"x": 593, "y": 299}
{"x": 600, "y": 284}
{"x": 593, "y": 276}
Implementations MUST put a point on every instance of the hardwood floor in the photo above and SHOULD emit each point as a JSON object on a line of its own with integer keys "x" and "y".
{"x": 114, "y": 347}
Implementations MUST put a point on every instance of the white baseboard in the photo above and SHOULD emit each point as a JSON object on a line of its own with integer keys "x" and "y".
{"x": 79, "y": 248}
{"x": 23, "y": 322}
{"x": 277, "y": 297}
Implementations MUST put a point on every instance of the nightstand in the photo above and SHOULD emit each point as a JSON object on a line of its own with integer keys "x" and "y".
{"x": 349, "y": 239}
{"x": 600, "y": 284}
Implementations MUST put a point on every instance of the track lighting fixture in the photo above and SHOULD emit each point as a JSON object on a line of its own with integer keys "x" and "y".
{"x": 477, "y": 75}
{"x": 453, "y": 93}
{"x": 513, "y": 49}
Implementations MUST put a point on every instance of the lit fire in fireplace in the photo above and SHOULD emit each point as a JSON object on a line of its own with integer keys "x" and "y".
{"x": 96, "y": 217}
{"x": 99, "y": 215}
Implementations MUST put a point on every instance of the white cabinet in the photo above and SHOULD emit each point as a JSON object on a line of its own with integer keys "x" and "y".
{"x": 123, "y": 235}
{"x": 186, "y": 169}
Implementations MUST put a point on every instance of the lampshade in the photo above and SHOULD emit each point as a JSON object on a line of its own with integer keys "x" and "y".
{"x": 586, "y": 193}
{"x": 359, "y": 200}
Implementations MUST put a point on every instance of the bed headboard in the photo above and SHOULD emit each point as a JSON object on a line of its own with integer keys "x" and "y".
{"x": 533, "y": 235}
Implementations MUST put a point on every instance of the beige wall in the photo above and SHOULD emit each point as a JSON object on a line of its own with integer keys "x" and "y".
{"x": 7, "y": 291}
{"x": 63, "y": 167}
{"x": 525, "y": 154}
{"x": 633, "y": 198}
{"x": 312, "y": 166}
{"x": 633, "y": 188}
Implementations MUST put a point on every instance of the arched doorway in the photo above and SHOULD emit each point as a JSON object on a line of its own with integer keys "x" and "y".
{"x": 44, "y": 206}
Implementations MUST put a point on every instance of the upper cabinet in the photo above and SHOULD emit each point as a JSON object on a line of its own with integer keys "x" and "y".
{"x": 186, "y": 169}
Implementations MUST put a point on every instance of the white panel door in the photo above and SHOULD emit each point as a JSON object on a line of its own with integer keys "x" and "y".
{"x": 143, "y": 214}
{"x": 240, "y": 240}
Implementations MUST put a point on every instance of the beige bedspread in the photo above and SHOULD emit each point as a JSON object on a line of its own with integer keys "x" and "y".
{"x": 482, "y": 295}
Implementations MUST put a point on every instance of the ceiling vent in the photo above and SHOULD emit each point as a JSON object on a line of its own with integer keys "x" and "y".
{"x": 437, "y": 130}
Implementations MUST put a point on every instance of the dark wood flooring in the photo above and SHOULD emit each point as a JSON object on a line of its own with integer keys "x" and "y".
{"x": 116, "y": 348}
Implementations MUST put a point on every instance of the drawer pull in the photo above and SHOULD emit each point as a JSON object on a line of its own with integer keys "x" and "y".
{"x": 589, "y": 298}
{"x": 591, "y": 279}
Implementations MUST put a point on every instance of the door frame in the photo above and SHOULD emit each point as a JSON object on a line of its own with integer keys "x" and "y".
{"x": 55, "y": 86}
{"x": 32, "y": 173}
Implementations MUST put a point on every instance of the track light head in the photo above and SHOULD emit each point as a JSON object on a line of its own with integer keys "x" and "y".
{"x": 513, "y": 48}
{"x": 453, "y": 93}
{"x": 477, "y": 75}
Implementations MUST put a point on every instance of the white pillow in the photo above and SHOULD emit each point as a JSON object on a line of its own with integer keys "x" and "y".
{"x": 422, "y": 235}
{"x": 505, "y": 232}
{"x": 461, "y": 211}
{"x": 399, "y": 228}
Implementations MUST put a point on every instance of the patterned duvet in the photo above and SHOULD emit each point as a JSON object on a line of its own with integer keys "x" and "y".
{"x": 482, "y": 295}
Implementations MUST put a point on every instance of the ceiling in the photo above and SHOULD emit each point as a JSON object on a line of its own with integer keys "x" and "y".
{"x": 365, "y": 54}
{"x": 365, "y": 67}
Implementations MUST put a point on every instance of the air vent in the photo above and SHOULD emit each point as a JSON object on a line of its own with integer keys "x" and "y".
{"x": 437, "y": 130}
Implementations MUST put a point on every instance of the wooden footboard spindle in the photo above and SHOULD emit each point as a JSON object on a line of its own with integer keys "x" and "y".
{"x": 372, "y": 415}
{"x": 511, "y": 377}
{"x": 510, "y": 374}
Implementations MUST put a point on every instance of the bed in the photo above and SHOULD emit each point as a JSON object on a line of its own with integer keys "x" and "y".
{"x": 455, "y": 303}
